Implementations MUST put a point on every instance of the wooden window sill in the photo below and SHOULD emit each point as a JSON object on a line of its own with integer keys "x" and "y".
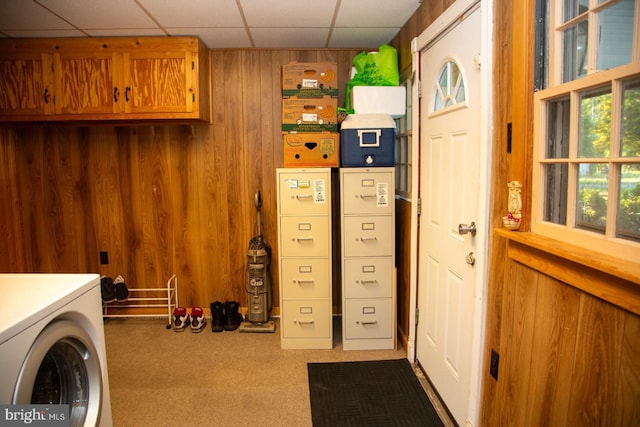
{"x": 606, "y": 277}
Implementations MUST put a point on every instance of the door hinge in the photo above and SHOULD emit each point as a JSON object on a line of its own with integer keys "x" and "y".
{"x": 193, "y": 65}
{"x": 417, "y": 316}
{"x": 419, "y": 89}
{"x": 419, "y": 206}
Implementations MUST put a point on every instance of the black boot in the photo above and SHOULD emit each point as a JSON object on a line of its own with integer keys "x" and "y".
{"x": 232, "y": 317}
{"x": 217, "y": 317}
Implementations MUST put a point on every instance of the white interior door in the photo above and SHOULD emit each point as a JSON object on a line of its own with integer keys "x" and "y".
{"x": 452, "y": 189}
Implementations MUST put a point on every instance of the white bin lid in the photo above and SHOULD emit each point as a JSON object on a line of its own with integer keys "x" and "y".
{"x": 368, "y": 121}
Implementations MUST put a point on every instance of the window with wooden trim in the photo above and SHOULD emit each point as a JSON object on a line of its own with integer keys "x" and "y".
{"x": 586, "y": 171}
{"x": 403, "y": 148}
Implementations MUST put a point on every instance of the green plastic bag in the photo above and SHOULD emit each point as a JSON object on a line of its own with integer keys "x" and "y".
{"x": 373, "y": 69}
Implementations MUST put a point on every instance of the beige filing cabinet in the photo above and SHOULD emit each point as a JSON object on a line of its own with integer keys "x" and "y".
{"x": 367, "y": 206}
{"x": 305, "y": 256}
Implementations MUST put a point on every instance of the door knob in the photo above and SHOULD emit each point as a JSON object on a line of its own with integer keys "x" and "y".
{"x": 464, "y": 229}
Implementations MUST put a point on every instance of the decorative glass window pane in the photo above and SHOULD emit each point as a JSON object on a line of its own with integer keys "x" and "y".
{"x": 630, "y": 146}
{"x": 449, "y": 88}
{"x": 592, "y": 195}
{"x": 628, "y": 221}
{"x": 615, "y": 35}
{"x": 573, "y": 8}
{"x": 558, "y": 129}
{"x": 594, "y": 136}
{"x": 575, "y": 51}
{"x": 555, "y": 203}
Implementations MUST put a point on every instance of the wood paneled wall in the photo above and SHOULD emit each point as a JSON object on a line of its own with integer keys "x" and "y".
{"x": 160, "y": 199}
{"x": 566, "y": 357}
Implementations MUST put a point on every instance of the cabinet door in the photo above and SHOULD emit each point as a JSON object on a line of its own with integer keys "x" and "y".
{"x": 160, "y": 82}
{"x": 26, "y": 85}
{"x": 87, "y": 84}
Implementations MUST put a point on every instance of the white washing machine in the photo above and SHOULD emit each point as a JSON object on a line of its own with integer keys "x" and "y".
{"x": 52, "y": 347}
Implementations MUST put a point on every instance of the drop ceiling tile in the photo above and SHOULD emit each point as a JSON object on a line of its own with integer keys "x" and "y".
{"x": 288, "y": 13}
{"x": 385, "y": 13}
{"x": 100, "y": 14}
{"x": 215, "y": 38}
{"x": 361, "y": 37}
{"x": 194, "y": 13}
{"x": 290, "y": 37}
{"x": 27, "y": 15}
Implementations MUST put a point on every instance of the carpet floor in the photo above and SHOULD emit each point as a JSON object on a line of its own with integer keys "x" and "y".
{"x": 161, "y": 378}
{"x": 369, "y": 393}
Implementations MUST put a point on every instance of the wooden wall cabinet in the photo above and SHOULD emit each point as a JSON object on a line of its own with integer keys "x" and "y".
{"x": 26, "y": 81}
{"x": 150, "y": 78}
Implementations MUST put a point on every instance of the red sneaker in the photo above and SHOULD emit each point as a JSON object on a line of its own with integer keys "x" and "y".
{"x": 181, "y": 319}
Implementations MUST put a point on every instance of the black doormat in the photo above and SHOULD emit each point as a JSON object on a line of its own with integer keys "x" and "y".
{"x": 372, "y": 393}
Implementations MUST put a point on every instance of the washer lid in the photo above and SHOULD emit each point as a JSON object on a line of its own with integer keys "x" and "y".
{"x": 27, "y": 298}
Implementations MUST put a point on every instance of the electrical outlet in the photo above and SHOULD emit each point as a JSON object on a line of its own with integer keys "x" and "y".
{"x": 104, "y": 257}
{"x": 495, "y": 362}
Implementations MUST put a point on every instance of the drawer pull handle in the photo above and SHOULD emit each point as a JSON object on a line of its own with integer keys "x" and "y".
{"x": 302, "y": 196}
{"x": 371, "y": 322}
{"x": 365, "y": 196}
{"x": 303, "y": 239}
{"x": 305, "y": 322}
{"x": 367, "y": 239}
{"x": 368, "y": 282}
{"x": 303, "y": 282}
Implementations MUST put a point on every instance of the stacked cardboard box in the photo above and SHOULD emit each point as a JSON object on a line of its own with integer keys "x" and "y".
{"x": 309, "y": 114}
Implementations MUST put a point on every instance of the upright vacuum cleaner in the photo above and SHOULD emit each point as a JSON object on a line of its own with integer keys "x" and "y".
{"x": 258, "y": 280}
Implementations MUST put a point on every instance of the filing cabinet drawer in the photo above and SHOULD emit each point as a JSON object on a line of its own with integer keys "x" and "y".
{"x": 368, "y": 236}
{"x": 306, "y": 319}
{"x": 305, "y": 278}
{"x": 368, "y": 193}
{"x": 369, "y": 318}
{"x": 307, "y": 193}
{"x": 368, "y": 278}
{"x": 304, "y": 236}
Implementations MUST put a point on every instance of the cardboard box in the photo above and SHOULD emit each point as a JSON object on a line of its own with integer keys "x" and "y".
{"x": 368, "y": 140}
{"x": 390, "y": 100}
{"x": 310, "y": 114}
{"x": 310, "y": 79}
{"x": 311, "y": 149}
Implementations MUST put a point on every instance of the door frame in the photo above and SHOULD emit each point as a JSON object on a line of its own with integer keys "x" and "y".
{"x": 432, "y": 33}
